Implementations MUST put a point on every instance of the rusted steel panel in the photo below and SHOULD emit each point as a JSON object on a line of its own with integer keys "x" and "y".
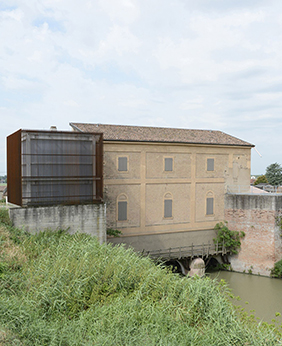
{"x": 14, "y": 179}
{"x": 100, "y": 162}
{"x": 60, "y": 168}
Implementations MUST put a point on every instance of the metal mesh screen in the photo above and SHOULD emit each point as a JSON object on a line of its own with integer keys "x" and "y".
{"x": 61, "y": 167}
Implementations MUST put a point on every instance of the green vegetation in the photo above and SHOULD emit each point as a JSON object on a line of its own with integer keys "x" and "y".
{"x": 276, "y": 272}
{"x": 260, "y": 180}
{"x": 113, "y": 232}
{"x": 273, "y": 174}
{"x": 58, "y": 289}
{"x": 230, "y": 239}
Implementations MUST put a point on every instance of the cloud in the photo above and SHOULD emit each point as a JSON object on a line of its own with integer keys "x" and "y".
{"x": 213, "y": 64}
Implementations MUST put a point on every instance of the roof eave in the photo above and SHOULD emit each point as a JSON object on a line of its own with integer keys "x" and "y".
{"x": 163, "y": 142}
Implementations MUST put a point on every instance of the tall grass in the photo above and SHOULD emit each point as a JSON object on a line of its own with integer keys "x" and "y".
{"x": 69, "y": 290}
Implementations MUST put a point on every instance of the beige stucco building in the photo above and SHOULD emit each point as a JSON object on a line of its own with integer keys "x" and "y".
{"x": 165, "y": 187}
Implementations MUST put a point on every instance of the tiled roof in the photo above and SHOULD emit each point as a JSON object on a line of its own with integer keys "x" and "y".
{"x": 160, "y": 134}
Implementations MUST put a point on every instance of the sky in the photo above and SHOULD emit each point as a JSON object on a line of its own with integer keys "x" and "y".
{"x": 205, "y": 64}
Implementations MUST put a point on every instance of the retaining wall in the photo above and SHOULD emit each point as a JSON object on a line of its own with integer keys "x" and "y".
{"x": 256, "y": 215}
{"x": 88, "y": 218}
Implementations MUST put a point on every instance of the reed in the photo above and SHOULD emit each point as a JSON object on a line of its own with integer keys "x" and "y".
{"x": 69, "y": 290}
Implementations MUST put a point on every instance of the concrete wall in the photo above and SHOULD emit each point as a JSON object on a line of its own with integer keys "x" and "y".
{"x": 88, "y": 218}
{"x": 165, "y": 241}
{"x": 255, "y": 215}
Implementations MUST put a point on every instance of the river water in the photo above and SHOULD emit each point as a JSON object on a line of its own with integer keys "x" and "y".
{"x": 262, "y": 294}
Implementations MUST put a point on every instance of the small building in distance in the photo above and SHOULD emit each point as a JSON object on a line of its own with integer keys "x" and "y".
{"x": 165, "y": 187}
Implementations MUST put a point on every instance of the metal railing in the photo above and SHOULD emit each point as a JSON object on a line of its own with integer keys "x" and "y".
{"x": 247, "y": 189}
{"x": 191, "y": 251}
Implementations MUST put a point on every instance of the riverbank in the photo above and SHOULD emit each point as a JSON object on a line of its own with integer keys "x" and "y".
{"x": 58, "y": 289}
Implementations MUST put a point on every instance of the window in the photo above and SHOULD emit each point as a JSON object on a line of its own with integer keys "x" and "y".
{"x": 122, "y": 207}
{"x": 122, "y": 211}
{"x": 168, "y": 164}
{"x": 210, "y": 164}
{"x": 122, "y": 164}
{"x": 168, "y": 205}
{"x": 209, "y": 210}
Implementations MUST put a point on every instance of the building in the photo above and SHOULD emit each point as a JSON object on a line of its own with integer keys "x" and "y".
{"x": 165, "y": 187}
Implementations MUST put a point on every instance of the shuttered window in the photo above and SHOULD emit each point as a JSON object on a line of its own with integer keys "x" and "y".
{"x": 210, "y": 164}
{"x": 122, "y": 164}
{"x": 210, "y": 206}
{"x": 122, "y": 211}
{"x": 168, "y": 208}
{"x": 168, "y": 164}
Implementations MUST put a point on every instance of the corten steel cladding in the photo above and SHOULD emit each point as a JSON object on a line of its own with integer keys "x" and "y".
{"x": 14, "y": 178}
{"x": 52, "y": 167}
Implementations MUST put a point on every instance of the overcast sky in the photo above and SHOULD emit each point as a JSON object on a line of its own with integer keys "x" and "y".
{"x": 200, "y": 64}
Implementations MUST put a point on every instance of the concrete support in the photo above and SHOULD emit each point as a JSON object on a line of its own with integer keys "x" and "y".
{"x": 256, "y": 215}
{"x": 88, "y": 218}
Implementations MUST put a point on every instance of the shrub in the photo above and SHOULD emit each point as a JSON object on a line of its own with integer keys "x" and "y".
{"x": 73, "y": 291}
{"x": 276, "y": 272}
{"x": 230, "y": 239}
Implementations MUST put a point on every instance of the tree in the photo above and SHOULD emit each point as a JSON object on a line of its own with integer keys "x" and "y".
{"x": 261, "y": 179}
{"x": 273, "y": 174}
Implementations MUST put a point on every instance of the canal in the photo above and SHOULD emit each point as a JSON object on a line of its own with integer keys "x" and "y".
{"x": 258, "y": 293}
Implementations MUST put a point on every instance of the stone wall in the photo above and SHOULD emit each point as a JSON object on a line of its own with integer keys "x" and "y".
{"x": 256, "y": 215}
{"x": 88, "y": 218}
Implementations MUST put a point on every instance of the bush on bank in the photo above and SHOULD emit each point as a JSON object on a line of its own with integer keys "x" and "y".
{"x": 58, "y": 289}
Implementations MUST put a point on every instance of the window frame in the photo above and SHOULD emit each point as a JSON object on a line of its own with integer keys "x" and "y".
{"x": 122, "y": 198}
{"x": 127, "y": 164}
{"x": 210, "y": 197}
{"x": 172, "y": 164}
{"x": 167, "y": 198}
{"x": 207, "y": 167}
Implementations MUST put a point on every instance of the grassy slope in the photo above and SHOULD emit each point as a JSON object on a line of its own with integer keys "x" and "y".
{"x": 57, "y": 289}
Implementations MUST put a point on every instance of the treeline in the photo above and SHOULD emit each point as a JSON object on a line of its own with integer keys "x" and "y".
{"x": 61, "y": 289}
{"x": 3, "y": 179}
{"x": 272, "y": 176}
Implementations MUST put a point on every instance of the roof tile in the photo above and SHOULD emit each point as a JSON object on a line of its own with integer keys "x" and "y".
{"x": 160, "y": 134}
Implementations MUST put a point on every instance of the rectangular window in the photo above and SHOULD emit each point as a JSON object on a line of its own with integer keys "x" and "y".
{"x": 168, "y": 164}
{"x": 122, "y": 164}
{"x": 210, "y": 164}
{"x": 168, "y": 208}
{"x": 209, "y": 206}
{"x": 122, "y": 211}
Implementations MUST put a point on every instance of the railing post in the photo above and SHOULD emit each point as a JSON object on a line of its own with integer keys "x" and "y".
{"x": 179, "y": 252}
{"x": 216, "y": 250}
{"x": 192, "y": 251}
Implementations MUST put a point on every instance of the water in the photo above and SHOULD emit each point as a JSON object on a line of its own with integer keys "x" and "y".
{"x": 262, "y": 294}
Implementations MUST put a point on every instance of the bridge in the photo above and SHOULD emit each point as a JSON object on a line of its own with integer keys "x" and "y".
{"x": 203, "y": 250}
